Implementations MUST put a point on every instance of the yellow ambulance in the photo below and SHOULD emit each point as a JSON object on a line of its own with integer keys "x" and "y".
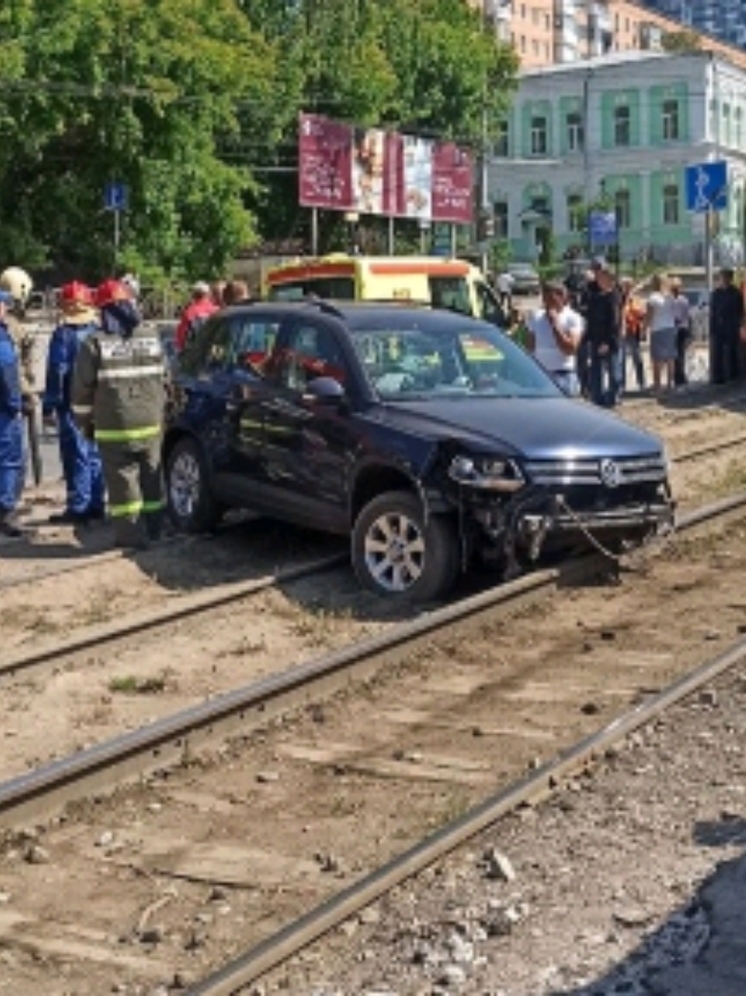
{"x": 441, "y": 283}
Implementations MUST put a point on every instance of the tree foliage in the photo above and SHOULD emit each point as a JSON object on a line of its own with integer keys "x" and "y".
{"x": 193, "y": 105}
{"x": 681, "y": 41}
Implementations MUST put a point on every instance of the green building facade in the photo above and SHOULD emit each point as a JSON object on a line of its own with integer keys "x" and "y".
{"x": 617, "y": 134}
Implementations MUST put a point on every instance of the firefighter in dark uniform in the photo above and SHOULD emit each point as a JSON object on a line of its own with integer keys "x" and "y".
{"x": 11, "y": 427}
{"x": 118, "y": 399}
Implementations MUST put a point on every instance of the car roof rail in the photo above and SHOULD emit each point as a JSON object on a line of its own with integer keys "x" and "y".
{"x": 325, "y": 306}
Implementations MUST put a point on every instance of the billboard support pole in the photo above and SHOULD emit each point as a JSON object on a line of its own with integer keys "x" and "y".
{"x": 391, "y": 242}
{"x": 454, "y": 240}
{"x": 314, "y": 231}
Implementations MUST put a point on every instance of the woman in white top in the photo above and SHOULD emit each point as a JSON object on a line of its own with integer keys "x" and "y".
{"x": 660, "y": 322}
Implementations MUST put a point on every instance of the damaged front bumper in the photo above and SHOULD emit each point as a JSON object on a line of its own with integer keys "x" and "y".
{"x": 535, "y": 522}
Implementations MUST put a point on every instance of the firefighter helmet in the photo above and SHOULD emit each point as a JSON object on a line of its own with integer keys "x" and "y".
{"x": 76, "y": 293}
{"x": 16, "y": 282}
{"x": 110, "y": 291}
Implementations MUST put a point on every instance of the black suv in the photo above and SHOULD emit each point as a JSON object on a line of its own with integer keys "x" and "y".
{"x": 426, "y": 436}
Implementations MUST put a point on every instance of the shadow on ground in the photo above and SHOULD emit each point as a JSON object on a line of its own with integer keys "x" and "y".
{"x": 700, "y": 950}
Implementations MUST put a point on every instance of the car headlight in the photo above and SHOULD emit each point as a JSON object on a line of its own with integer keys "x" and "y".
{"x": 487, "y": 473}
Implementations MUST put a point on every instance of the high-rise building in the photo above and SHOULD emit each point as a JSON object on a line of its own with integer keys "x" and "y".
{"x": 725, "y": 19}
{"x": 551, "y": 32}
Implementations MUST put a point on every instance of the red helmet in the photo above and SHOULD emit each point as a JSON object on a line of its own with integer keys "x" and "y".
{"x": 110, "y": 290}
{"x": 76, "y": 293}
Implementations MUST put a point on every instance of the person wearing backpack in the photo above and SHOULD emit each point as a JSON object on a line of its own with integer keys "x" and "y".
{"x": 196, "y": 312}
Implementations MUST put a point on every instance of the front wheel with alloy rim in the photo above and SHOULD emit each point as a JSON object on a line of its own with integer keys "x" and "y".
{"x": 396, "y": 553}
{"x": 190, "y": 504}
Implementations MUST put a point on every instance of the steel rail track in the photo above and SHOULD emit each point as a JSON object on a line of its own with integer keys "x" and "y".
{"x": 299, "y": 934}
{"x": 182, "y": 608}
{"x": 709, "y": 449}
{"x": 201, "y": 602}
{"x": 36, "y": 795}
{"x": 111, "y": 555}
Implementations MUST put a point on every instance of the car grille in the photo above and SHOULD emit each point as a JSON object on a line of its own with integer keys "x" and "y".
{"x": 623, "y": 471}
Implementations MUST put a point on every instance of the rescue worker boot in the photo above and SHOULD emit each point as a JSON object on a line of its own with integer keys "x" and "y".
{"x": 154, "y": 525}
{"x": 130, "y": 535}
{"x": 9, "y": 526}
{"x": 68, "y": 518}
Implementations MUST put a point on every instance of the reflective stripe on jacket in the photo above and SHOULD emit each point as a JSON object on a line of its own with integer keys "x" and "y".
{"x": 119, "y": 386}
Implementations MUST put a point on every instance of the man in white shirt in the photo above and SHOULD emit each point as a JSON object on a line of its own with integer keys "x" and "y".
{"x": 504, "y": 285}
{"x": 554, "y": 336}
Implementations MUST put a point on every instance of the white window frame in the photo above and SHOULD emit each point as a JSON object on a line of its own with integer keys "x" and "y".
{"x": 626, "y": 121}
{"x": 575, "y": 220}
{"x": 539, "y": 135}
{"x": 671, "y": 115}
{"x": 623, "y": 208}
{"x": 671, "y": 204}
{"x": 575, "y": 131}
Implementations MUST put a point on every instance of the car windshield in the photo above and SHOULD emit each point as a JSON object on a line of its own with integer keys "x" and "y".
{"x": 406, "y": 361}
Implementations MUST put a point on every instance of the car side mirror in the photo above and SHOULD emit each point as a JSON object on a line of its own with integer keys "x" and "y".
{"x": 324, "y": 391}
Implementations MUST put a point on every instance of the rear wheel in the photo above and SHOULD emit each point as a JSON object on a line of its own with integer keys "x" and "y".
{"x": 397, "y": 555}
{"x": 191, "y": 506}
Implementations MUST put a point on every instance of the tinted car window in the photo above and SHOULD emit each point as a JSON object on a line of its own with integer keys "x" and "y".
{"x": 208, "y": 348}
{"x": 335, "y": 288}
{"x": 308, "y": 352}
{"x": 423, "y": 360}
{"x": 252, "y": 340}
{"x": 451, "y": 293}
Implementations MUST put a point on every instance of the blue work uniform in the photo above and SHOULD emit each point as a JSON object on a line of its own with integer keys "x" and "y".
{"x": 11, "y": 425}
{"x": 81, "y": 462}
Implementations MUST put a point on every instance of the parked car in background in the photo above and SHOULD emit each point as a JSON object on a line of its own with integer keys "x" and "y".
{"x": 425, "y": 436}
{"x": 524, "y": 277}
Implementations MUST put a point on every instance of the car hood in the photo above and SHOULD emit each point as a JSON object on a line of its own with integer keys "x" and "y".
{"x": 537, "y": 428}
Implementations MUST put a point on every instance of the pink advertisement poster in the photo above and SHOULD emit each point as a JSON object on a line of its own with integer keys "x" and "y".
{"x": 371, "y": 171}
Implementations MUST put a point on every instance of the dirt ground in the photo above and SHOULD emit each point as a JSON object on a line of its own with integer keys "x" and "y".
{"x": 631, "y": 880}
{"x": 165, "y": 881}
{"x": 91, "y": 695}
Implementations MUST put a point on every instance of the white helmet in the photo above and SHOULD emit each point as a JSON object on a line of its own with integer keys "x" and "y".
{"x": 16, "y": 282}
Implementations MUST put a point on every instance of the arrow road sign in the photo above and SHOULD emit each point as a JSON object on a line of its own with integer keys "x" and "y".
{"x": 707, "y": 187}
{"x": 115, "y": 197}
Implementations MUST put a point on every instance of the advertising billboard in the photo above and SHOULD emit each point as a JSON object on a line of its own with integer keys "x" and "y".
{"x": 371, "y": 171}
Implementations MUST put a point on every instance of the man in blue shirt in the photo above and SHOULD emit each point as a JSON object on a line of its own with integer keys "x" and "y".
{"x": 11, "y": 427}
{"x": 81, "y": 462}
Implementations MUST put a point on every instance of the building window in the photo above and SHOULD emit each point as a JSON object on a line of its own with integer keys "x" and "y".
{"x": 538, "y": 136}
{"x": 623, "y": 208}
{"x": 621, "y": 125}
{"x": 547, "y": 22}
{"x": 535, "y": 47}
{"x": 523, "y": 10}
{"x": 671, "y": 129}
{"x": 502, "y": 141}
{"x": 540, "y": 205}
{"x": 671, "y": 204}
{"x": 501, "y": 219}
{"x": 523, "y": 43}
{"x": 575, "y": 219}
{"x": 738, "y": 120}
{"x": 535, "y": 15}
{"x": 575, "y": 132}
{"x": 726, "y": 124}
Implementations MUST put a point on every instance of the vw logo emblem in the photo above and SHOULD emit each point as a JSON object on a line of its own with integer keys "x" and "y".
{"x": 611, "y": 473}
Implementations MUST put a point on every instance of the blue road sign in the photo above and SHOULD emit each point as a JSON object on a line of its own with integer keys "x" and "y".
{"x": 707, "y": 187}
{"x": 603, "y": 228}
{"x": 115, "y": 197}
